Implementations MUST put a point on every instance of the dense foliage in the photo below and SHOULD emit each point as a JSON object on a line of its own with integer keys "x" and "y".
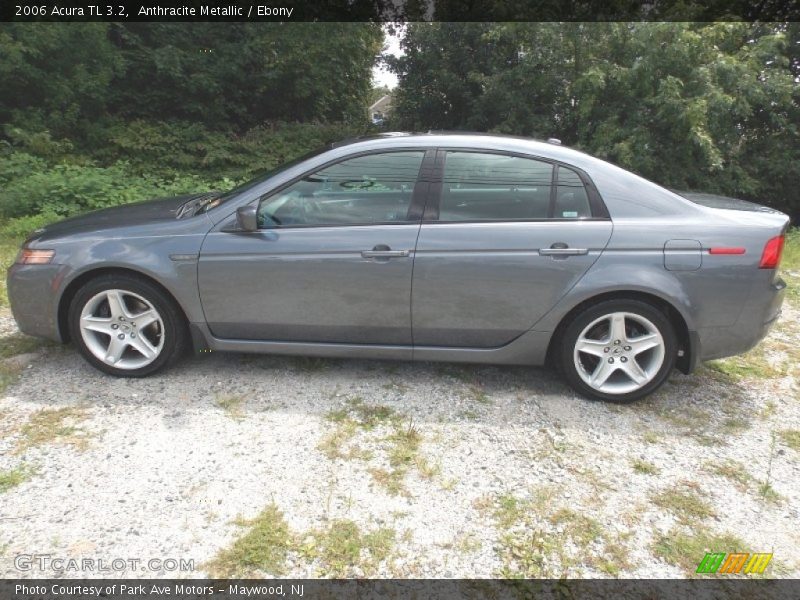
{"x": 710, "y": 106}
{"x": 94, "y": 114}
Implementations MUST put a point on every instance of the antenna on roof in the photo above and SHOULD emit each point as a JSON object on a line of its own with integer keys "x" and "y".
{"x": 555, "y": 141}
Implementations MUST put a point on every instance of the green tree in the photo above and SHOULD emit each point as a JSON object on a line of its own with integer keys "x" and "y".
{"x": 709, "y": 106}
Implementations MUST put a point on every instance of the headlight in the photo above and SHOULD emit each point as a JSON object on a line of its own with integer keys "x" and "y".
{"x": 27, "y": 256}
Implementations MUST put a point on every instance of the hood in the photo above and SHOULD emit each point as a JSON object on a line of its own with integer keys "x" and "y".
{"x": 125, "y": 215}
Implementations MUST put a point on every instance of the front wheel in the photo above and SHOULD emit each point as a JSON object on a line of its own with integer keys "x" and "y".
{"x": 618, "y": 350}
{"x": 126, "y": 326}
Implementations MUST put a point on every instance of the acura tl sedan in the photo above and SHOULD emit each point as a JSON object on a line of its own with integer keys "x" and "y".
{"x": 431, "y": 247}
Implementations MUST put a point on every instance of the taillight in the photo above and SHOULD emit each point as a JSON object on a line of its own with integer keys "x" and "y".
{"x": 773, "y": 249}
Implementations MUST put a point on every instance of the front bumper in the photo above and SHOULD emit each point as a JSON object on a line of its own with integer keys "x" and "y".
{"x": 33, "y": 292}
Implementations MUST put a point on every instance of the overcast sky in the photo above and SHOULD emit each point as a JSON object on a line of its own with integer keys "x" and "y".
{"x": 381, "y": 76}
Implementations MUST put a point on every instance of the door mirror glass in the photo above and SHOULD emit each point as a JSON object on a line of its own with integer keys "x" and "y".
{"x": 247, "y": 218}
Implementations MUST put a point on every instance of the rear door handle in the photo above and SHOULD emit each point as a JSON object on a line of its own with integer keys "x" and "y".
{"x": 383, "y": 251}
{"x": 562, "y": 249}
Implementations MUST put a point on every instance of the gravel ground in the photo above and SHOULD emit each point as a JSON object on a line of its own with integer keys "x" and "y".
{"x": 506, "y": 471}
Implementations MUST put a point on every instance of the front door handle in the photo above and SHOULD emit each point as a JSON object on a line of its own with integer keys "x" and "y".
{"x": 562, "y": 249}
{"x": 383, "y": 251}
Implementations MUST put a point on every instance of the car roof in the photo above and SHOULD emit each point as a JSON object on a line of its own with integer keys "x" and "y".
{"x": 552, "y": 149}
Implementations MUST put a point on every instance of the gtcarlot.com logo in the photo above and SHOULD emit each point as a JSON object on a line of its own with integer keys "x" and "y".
{"x": 57, "y": 564}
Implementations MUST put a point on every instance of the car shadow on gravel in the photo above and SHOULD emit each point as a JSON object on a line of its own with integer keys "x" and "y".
{"x": 703, "y": 405}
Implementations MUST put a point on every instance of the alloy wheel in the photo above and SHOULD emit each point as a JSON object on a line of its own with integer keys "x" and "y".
{"x": 122, "y": 329}
{"x": 619, "y": 353}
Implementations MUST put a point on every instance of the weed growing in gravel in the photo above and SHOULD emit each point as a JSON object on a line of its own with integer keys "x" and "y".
{"x": 644, "y": 467}
{"x": 684, "y": 502}
{"x": 354, "y": 416}
{"x": 343, "y": 550}
{"x": 402, "y": 443}
{"x": 14, "y": 477}
{"x": 765, "y": 489}
{"x": 54, "y": 425}
{"x": 733, "y": 470}
{"x": 790, "y": 437}
{"x": 232, "y": 405}
{"x": 686, "y": 550}
{"x": 262, "y": 549}
{"x": 536, "y": 542}
{"x": 651, "y": 437}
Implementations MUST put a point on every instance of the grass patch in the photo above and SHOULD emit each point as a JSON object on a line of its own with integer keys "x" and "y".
{"x": 686, "y": 550}
{"x": 232, "y": 405}
{"x": 52, "y": 426}
{"x": 732, "y": 470}
{"x": 19, "y": 343}
{"x": 263, "y": 549}
{"x": 582, "y": 529}
{"x": 334, "y": 445}
{"x": 651, "y": 437}
{"x": 8, "y": 375}
{"x": 402, "y": 454}
{"x": 684, "y": 502}
{"x": 754, "y": 364}
{"x": 790, "y": 265}
{"x": 363, "y": 415}
{"x": 343, "y": 549}
{"x": 476, "y": 393}
{"x": 791, "y": 438}
{"x": 9, "y": 248}
{"x": 529, "y": 548}
{"x": 644, "y": 467}
{"x": 14, "y": 477}
{"x": 401, "y": 445}
{"x": 734, "y": 425}
{"x": 356, "y": 415}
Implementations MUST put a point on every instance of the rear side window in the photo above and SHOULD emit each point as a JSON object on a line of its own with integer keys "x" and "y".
{"x": 572, "y": 201}
{"x": 480, "y": 186}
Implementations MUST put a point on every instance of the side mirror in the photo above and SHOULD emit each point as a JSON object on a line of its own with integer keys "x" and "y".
{"x": 247, "y": 218}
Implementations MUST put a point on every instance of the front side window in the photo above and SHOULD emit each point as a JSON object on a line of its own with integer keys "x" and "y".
{"x": 497, "y": 187}
{"x": 374, "y": 188}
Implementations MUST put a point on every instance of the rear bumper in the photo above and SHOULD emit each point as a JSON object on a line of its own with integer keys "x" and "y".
{"x": 759, "y": 314}
{"x": 32, "y": 293}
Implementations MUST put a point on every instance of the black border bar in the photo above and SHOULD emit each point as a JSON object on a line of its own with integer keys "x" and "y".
{"x": 398, "y": 10}
{"x": 718, "y": 588}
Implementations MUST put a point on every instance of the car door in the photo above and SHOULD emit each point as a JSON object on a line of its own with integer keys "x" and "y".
{"x": 505, "y": 238}
{"x": 331, "y": 261}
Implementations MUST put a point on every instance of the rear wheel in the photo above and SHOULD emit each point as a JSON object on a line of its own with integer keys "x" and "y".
{"x": 619, "y": 350}
{"x": 126, "y": 326}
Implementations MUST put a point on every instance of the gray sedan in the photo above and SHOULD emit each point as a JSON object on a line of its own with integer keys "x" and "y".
{"x": 449, "y": 247}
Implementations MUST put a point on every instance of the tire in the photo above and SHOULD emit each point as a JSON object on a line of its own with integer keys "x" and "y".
{"x": 126, "y": 326}
{"x": 622, "y": 367}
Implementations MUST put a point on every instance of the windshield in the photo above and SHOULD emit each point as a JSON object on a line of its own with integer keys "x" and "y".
{"x": 205, "y": 202}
